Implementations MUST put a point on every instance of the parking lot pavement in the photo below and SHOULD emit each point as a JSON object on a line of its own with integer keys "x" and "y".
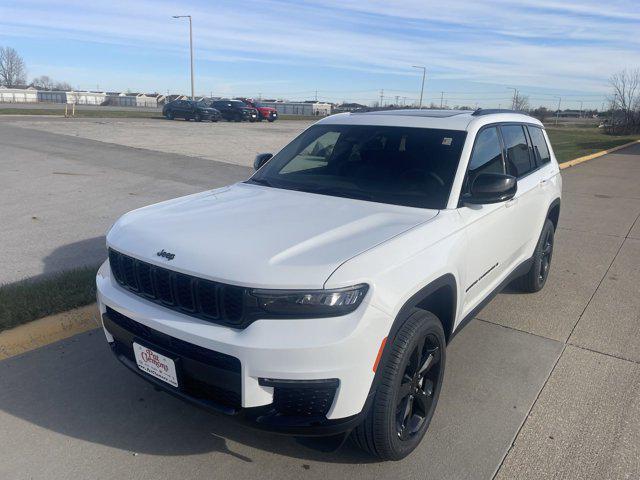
{"x": 544, "y": 386}
{"x": 72, "y": 411}
{"x": 59, "y": 195}
{"x": 227, "y": 142}
{"x": 586, "y": 423}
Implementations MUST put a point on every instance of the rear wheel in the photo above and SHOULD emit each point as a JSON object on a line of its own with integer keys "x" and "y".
{"x": 536, "y": 277}
{"x": 169, "y": 116}
{"x": 407, "y": 394}
{"x": 198, "y": 118}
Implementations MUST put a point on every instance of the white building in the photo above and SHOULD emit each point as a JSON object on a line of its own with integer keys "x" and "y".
{"x": 316, "y": 109}
{"x": 18, "y": 95}
{"x": 86, "y": 98}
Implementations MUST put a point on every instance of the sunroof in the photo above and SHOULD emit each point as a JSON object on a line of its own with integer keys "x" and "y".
{"x": 418, "y": 113}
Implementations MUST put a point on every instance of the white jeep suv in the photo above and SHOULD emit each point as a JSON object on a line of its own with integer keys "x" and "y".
{"x": 317, "y": 298}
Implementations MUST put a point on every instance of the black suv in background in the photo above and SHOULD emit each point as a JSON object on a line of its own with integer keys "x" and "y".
{"x": 190, "y": 109}
{"x": 235, "y": 110}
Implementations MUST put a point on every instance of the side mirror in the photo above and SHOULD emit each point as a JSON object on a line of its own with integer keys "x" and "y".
{"x": 261, "y": 159}
{"x": 491, "y": 188}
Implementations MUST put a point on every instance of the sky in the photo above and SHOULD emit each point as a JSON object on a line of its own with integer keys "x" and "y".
{"x": 475, "y": 51}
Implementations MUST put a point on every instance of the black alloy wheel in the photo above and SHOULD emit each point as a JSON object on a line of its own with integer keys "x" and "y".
{"x": 408, "y": 383}
{"x": 415, "y": 395}
{"x": 535, "y": 279}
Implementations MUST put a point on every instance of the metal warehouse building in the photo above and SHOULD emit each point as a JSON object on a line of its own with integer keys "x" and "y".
{"x": 300, "y": 108}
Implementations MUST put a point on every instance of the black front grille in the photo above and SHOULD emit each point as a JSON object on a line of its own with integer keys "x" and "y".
{"x": 212, "y": 301}
{"x": 203, "y": 374}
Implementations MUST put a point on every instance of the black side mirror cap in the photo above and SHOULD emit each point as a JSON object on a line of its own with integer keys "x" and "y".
{"x": 491, "y": 188}
{"x": 261, "y": 159}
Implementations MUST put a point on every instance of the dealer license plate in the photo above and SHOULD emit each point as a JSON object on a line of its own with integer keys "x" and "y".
{"x": 156, "y": 364}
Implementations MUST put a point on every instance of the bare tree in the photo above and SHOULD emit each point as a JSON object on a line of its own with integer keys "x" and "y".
{"x": 626, "y": 97}
{"x": 43, "y": 81}
{"x": 63, "y": 86}
{"x": 520, "y": 102}
{"x": 12, "y": 68}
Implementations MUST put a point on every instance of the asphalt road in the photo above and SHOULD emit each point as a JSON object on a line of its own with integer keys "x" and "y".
{"x": 539, "y": 386}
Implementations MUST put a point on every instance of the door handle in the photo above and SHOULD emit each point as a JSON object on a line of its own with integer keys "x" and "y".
{"x": 543, "y": 182}
{"x": 511, "y": 203}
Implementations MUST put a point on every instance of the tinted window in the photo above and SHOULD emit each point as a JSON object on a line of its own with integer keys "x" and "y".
{"x": 515, "y": 142}
{"x": 539, "y": 145}
{"x": 486, "y": 156}
{"x": 398, "y": 165}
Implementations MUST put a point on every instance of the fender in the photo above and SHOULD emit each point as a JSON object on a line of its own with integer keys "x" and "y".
{"x": 447, "y": 280}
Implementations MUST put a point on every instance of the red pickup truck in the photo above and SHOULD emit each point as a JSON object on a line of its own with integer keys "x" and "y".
{"x": 264, "y": 113}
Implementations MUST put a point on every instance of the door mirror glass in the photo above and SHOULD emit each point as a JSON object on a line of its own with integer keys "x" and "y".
{"x": 491, "y": 188}
{"x": 261, "y": 159}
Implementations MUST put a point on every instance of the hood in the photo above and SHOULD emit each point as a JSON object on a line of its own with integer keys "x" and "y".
{"x": 259, "y": 236}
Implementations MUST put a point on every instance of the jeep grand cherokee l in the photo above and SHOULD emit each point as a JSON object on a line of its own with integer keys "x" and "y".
{"x": 318, "y": 297}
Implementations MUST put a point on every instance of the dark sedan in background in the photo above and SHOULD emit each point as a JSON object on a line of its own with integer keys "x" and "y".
{"x": 235, "y": 110}
{"x": 190, "y": 109}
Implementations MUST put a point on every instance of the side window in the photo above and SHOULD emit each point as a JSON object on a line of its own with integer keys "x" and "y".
{"x": 539, "y": 145}
{"x": 486, "y": 156}
{"x": 519, "y": 162}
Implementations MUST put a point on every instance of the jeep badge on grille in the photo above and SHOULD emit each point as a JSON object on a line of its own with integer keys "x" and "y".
{"x": 167, "y": 255}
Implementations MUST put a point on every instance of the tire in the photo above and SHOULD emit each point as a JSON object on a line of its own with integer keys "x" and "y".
{"x": 535, "y": 279}
{"x": 198, "y": 118}
{"x": 169, "y": 116}
{"x": 405, "y": 399}
{"x": 271, "y": 120}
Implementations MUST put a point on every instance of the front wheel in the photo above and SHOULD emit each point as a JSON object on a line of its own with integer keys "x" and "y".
{"x": 536, "y": 277}
{"x": 408, "y": 390}
{"x": 169, "y": 116}
{"x": 198, "y": 118}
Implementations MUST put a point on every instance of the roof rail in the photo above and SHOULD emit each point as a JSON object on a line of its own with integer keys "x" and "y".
{"x": 488, "y": 111}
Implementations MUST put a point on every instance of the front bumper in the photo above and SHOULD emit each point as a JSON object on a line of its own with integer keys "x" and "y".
{"x": 326, "y": 360}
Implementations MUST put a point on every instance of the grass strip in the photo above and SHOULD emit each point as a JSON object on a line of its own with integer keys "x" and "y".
{"x": 28, "y": 300}
{"x": 569, "y": 143}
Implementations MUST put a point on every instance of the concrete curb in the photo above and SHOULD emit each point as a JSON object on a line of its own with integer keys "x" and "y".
{"x": 586, "y": 158}
{"x": 44, "y": 331}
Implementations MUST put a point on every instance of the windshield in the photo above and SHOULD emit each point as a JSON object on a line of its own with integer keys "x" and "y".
{"x": 399, "y": 165}
{"x": 238, "y": 104}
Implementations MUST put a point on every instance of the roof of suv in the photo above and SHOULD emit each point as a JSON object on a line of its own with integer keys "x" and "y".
{"x": 428, "y": 118}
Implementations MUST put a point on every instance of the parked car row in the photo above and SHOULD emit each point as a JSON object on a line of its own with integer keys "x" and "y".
{"x": 237, "y": 110}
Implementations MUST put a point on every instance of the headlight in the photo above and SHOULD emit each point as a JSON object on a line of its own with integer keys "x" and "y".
{"x": 310, "y": 303}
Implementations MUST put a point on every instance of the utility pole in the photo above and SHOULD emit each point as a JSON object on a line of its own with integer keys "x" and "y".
{"x": 190, "y": 48}
{"x": 397, "y": 100}
{"x": 316, "y": 94}
{"x": 424, "y": 74}
{"x": 580, "y": 108}
{"x": 441, "y": 98}
{"x": 381, "y": 97}
{"x": 558, "y": 111}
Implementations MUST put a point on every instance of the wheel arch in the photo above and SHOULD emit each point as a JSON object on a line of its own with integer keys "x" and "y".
{"x": 440, "y": 297}
{"x": 553, "y": 213}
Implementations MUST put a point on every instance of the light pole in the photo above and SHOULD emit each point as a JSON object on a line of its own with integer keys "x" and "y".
{"x": 558, "y": 111}
{"x": 190, "y": 48}
{"x": 515, "y": 95}
{"x": 424, "y": 74}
